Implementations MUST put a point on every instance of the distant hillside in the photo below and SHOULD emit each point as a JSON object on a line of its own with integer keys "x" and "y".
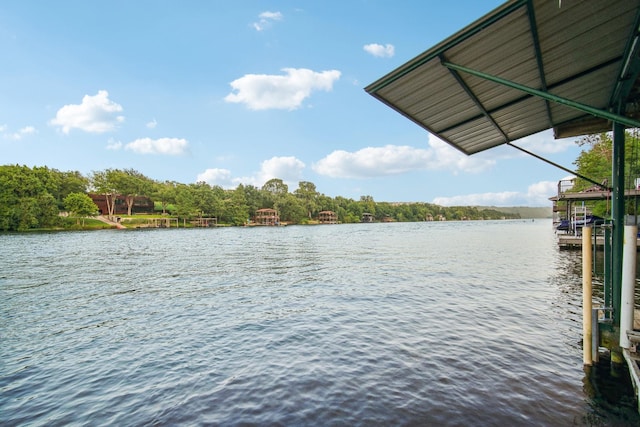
{"x": 523, "y": 211}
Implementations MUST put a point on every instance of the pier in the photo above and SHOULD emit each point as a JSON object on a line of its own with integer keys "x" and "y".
{"x": 459, "y": 91}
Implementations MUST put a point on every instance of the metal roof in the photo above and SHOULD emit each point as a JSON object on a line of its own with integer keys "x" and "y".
{"x": 525, "y": 67}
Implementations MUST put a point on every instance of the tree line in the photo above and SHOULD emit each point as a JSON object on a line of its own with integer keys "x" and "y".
{"x": 34, "y": 198}
{"x": 595, "y": 163}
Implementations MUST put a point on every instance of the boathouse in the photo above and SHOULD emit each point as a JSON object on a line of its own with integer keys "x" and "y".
{"x": 526, "y": 67}
{"x": 571, "y": 212}
{"x": 266, "y": 216}
{"x": 327, "y": 217}
{"x": 367, "y": 217}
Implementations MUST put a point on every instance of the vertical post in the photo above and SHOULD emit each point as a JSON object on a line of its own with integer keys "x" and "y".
{"x": 586, "y": 296}
{"x": 607, "y": 269}
{"x": 617, "y": 213}
{"x": 595, "y": 336}
{"x": 628, "y": 283}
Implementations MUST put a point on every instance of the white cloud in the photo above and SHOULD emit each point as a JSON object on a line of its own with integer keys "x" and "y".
{"x": 266, "y": 20}
{"x": 215, "y": 176}
{"x": 285, "y": 92}
{"x": 27, "y": 130}
{"x": 447, "y": 157}
{"x": 152, "y": 124}
{"x": 537, "y": 195}
{"x": 373, "y": 161}
{"x": 114, "y": 144}
{"x": 168, "y": 146}
{"x": 397, "y": 159}
{"x": 380, "y": 51}
{"x": 288, "y": 169}
{"x": 545, "y": 143}
{"x": 96, "y": 114}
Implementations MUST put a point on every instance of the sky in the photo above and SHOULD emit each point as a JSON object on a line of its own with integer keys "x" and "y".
{"x": 242, "y": 92}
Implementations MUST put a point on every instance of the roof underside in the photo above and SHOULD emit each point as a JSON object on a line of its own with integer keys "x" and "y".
{"x": 582, "y": 51}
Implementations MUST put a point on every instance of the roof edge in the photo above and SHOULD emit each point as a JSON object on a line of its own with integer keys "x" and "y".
{"x": 468, "y": 31}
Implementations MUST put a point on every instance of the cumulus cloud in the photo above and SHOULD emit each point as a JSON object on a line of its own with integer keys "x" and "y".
{"x": 373, "y": 161}
{"x": 27, "y": 130}
{"x": 545, "y": 143}
{"x": 96, "y": 114}
{"x": 288, "y": 169}
{"x": 285, "y": 92}
{"x": 266, "y": 19}
{"x": 152, "y": 124}
{"x": 166, "y": 146}
{"x": 397, "y": 159}
{"x": 380, "y": 51}
{"x": 216, "y": 176}
{"x": 114, "y": 144}
{"x": 536, "y": 195}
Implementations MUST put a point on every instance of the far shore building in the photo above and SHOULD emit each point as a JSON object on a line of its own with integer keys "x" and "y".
{"x": 327, "y": 217}
{"x": 141, "y": 204}
{"x": 267, "y": 217}
{"x": 367, "y": 217}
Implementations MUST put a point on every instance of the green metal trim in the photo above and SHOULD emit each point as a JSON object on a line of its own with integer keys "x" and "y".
{"x": 475, "y": 99}
{"x": 604, "y": 187}
{"x": 438, "y": 50}
{"x": 630, "y": 66}
{"x": 527, "y": 95}
{"x": 617, "y": 118}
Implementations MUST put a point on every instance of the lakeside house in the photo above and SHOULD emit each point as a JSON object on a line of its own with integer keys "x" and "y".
{"x": 141, "y": 204}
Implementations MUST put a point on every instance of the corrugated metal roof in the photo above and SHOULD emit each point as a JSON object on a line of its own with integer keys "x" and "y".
{"x": 573, "y": 50}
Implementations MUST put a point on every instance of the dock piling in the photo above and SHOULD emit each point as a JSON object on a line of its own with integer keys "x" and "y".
{"x": 587, "y": 332}
{"x": 627, "y": 303}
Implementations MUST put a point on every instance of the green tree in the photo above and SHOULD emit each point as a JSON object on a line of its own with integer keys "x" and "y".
{"x": 273, "y": 191}
{"x": 254, "y": 198}
{"x": 595, "y": 163}
{"x": 164, "y": 193}
{"x": 236, "y": 210}
{"x": 186, "y": 205}
{"x": 105, "y": 182}
{"x": 131, "y": 184}
{"x": 80, "y": 205}
{"x": 308, "y": 195}
{"x": 290, "y": 209}
{"x": 24, "y": 200}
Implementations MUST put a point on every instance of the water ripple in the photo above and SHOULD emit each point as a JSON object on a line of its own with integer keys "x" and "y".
{"x": 365, "y": 324}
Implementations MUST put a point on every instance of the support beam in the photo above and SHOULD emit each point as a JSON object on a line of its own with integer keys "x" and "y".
{"x": 617, "y": 118}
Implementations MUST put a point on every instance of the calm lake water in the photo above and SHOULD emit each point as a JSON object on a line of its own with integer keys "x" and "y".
{"x": 459, "y": 323}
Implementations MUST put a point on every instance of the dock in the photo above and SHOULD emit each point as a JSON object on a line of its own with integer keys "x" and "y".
{"x": 632, "y": 355}
{"x": 571, "y": 241}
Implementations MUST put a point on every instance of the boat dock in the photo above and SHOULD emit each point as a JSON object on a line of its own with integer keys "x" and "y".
{"x": 570, "y": 241}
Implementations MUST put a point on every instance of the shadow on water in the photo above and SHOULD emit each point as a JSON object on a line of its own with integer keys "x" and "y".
{"x": 607, "y": 387}
{"x": 611, "y": 396}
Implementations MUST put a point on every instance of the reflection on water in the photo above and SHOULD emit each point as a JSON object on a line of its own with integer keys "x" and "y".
{"x": 470, "y": 323}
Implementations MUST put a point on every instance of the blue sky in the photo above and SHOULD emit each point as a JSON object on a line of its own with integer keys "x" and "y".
{"x": 246, "y": 91}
